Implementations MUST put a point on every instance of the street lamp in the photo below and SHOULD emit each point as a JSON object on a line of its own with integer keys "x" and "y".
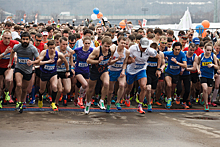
{"x": 144, "y": 9}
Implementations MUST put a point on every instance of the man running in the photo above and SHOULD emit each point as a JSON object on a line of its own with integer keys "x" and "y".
{"x": 136, "y": 71}
{"x": 48, "y": 67}
{"x": 176, "y": 59}
{"x": 117, "y": 72}
{"x": 6, "y": 74}
{"x": 100, "y": 58}
{"x": 26, "y": 52}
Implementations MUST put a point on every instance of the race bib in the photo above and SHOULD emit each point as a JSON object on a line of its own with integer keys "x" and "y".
{"x": 83, "y": 64}
{"x": 104, "y": 62}
{"x": 152, "y": 64}
{"x": 23, "y": 60}
{"x": 139, "y": 66}
{"x": 206, "y": 63}
{"x": 49, "y": 67}
{"x": 62, "y": 67}
{"x": 7, "y": 56}
{"x": 118, "y": 65}
{"x": 174, "y": 67}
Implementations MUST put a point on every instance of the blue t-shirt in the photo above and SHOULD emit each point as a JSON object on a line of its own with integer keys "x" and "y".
{"x": 205, "y": 71}
{"x": 172, "y": 67}
{"x": 189, "y": 63}
{"x": 81, "y": 64}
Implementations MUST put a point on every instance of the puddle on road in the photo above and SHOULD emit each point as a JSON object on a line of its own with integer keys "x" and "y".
{"x": 203, "y": 118}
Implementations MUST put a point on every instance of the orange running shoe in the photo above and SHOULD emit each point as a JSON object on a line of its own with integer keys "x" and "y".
{"x": 158, "y": 103}
{"x": 80, "y": 103}
{"x": 151, "y": 101}
{"x": 50, "y": 98}
{"x": 140, "y": 110}
{"x": 127, "y": 103}
{"x": 185, "y": 106}
{"x": 177, "y": 100}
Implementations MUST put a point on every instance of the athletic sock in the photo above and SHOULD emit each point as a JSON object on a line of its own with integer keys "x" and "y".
{"x": 54, "y": 95}
{"x": 139, "y": 105}
{"x": 40, "y": 96}
{"x": 215, "y": 93}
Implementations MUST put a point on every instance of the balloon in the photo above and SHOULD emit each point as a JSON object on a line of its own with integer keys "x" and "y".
{"x": 199, "y": 29}
{"x": 21, "y": 19}
{"x": 100, "y": 21}
{"x": 93, "y": 17}
{"x": 96, "y": 11}
{"x": 99, "y": 15}
{"x": 204, "y": 34}
{"x": 205, "y": 23}
{"x": 122, "y": 24}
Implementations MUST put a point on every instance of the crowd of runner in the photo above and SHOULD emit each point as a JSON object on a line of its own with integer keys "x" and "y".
{"x": 101, "y": 65}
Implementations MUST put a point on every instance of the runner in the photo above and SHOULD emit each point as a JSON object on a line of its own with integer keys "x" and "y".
{"x": 185, "y": 76}
{"x": 136, "y": 71}
{"x": 31, "y": 88}
{"x": 100, "y": 58}
{"x": 63, "y": 81}
{"x": 48, "y": 67}
{"x": 23, "y": 69}
{"x": 117, "y": 72}
{"x": 176, "y": 59}
{"x": 152, "y": 78}
{"x": 207, "y": 62}
{"x": 86, "y": 33}
{"x": 82, "y": 70}
{"x": 6, "y": 74}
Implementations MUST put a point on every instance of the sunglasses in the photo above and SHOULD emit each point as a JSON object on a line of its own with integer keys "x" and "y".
{"x": 38, "y": 40}
{"x": 72, "y": 43}
{"x": 164, "y": 42}
{"x": 190, "y": 34}
{"x": 177, "y": 49}
{"x": 87, "y": 43}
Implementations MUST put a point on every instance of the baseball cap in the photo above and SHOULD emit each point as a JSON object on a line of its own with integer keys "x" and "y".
{"x": 145, "y": 43}
{"x": 196, "y": 40}
{"x": 44, "y": 33}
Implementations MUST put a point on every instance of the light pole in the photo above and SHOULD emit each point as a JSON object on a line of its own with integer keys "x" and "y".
{"x": 144, "y": 9}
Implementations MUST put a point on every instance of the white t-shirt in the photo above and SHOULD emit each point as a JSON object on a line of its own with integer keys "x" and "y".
{"x": 141, "y": 59}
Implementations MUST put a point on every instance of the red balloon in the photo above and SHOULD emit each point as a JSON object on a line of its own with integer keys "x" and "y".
{"x": 205, "y": 24}
{"x": 122, "y": 24}
{"x": 99, "y": 15}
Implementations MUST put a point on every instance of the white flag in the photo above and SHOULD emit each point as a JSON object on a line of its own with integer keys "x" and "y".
{"x": 185, "y": 21}
{"x": 144, "y": 23}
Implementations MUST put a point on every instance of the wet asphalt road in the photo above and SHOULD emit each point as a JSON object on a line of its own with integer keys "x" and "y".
{"x": 51, "y": 129}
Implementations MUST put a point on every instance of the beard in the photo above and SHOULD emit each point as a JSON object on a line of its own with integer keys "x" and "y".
{"x": 25, "y": 44}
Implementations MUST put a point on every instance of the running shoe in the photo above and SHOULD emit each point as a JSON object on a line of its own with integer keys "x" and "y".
{"x": 86, "y": 110}
{"x": 169, "y": 103}
{"x": 214, "y": 104}
{"x": 178, "y": 100}
{"x": 112, "y": 101}
{"x": 11, "y": 100}
{"x": 127, "y": 102}
{"x": 17, "y": 106}
{"x": 118, "y": 106}
{"x": 108, "y": 110}
{"x": 197, "y": 100}
{"x": 53, "y": 106}
{"x": 189, "y": 104}
{"x": 80, "y": 103}
{"x": 1, "y": 104}
{"x": 140, "y": 110}
{"x": 50, "y": 99}
{"x": 24, "y": 105}
{"x": 40, "y": 104}
{"x": 157, "y": 103}
{"x": 206, "y": 108}
{"x": 185, "y": 106}
{"x": 64, "y": 101}
{"x": 101, "y": 104}
{"x": 149, "y": 108}
{"x": 151, "y": 101}
{"x": 75, "y": 101}
{"x": 20, "y": 108}
{"x": 7, "y": 96}
{"x": 32, "y": 102}
{"x": 202, "y": 102}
